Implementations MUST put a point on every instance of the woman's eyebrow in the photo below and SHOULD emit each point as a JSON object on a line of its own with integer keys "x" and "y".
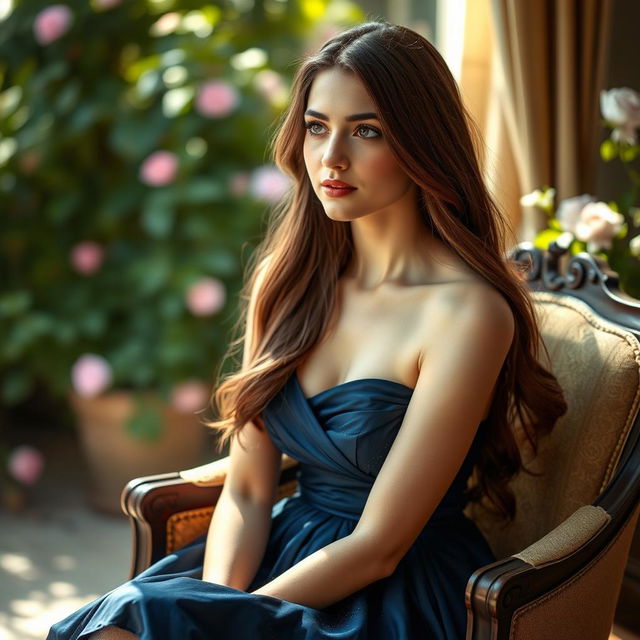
{"x": 370, "y": 115}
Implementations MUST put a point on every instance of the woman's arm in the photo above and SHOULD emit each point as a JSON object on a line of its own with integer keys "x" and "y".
{"x": 241, "y": 522}
{"x": 462, "y": 358}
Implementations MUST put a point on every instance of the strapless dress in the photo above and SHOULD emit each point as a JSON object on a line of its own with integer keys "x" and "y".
{"x": 341, "y": 437}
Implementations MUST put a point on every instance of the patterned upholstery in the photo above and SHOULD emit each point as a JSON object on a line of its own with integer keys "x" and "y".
{"x": 598, "y": 366}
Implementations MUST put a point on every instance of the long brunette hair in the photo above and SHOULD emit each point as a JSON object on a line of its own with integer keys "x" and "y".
{"x": 304, "y": 252}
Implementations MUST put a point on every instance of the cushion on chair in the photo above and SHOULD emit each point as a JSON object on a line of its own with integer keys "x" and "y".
{"x": 597, "y": 364}
{"x": 567, "y": 537}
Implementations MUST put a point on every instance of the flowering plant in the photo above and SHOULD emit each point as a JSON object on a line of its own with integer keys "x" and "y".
{"x": 610, "y": 230}
{"x": 132, "y": 177}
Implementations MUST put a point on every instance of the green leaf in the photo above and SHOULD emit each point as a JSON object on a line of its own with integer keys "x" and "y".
{"x": 133, "y": 134}
{"x": 62, "y": 208}
{"x": 554, "y": 224}
{"x": 219, "y": 261}
{"x": 13, "y": 303}
{"x": 93, "y": 323}
{"x": 25, "y": 333}
{"x": 628, "y": 154}
{"x": 158, "y": 214}
{"x": 624, "y": 230}
{"x": 150, "y": 274}
{"x": 68, "y": 97}
{"x": 145, "y": 424}
{"x": 545, "y": 238}
{"x": 171, "y": 306}
{"x": 625, "y": 201}
{"x": 608, "y": 150}
{"x": 201, "y": 190}
{"x": 83, "y": 117}
{"x": 120, "y": 200}
{"x": 577, "y": 247}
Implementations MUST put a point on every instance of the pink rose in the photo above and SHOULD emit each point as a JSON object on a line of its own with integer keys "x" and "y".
{"x": 159, "y": 168}
{"x": 621, "y": 109}
{"x": 598, "y": 225}
{"x": 205, "y": 297}
{"x": 52, "y": 23}
{"x": 87, "y": 257}
{"x": 25, "y": 464}
{"x": 90, "y": 375}
{"x": 269, "y": 183}
{"x": 569, "y": 210}
{"x": 189, "y": 396}
{"x": 216, "y": 99}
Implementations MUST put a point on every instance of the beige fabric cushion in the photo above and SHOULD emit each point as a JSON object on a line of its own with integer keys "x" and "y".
{"x": 598, "y": 366}
{"x": 577, "y": 530}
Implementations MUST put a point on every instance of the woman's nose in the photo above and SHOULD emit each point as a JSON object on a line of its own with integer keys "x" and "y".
{"x": 335, "y": 155}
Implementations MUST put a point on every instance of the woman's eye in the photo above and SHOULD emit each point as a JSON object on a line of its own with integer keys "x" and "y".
{"x": 314, "y": 128}
{"x": 365, "y": 131}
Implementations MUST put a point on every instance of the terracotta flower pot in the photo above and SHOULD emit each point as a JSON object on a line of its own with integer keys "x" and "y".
{"x": 115, "y": 454}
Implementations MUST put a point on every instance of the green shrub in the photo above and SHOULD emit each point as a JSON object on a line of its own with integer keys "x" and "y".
{"x": 102, "y": 251}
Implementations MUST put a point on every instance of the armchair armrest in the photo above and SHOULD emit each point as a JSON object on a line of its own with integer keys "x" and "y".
{"x": 565, "y": 585}
{"x": 170, "y": 510}
{"x": 214, "y": 473}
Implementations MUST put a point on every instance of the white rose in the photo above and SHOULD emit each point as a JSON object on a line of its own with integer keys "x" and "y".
{"x": 539, "y": 198}
{"x": 569, "y": 210}
{"x": 634, "y": 247}
{"x": 621, "y": 109}
{"x": 598, "y": 224}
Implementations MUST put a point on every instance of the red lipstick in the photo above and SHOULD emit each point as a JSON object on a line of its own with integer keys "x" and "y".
{"x": 336, "y": 188}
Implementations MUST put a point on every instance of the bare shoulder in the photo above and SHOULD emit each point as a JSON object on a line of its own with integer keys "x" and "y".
{"x": 468, "y": 310}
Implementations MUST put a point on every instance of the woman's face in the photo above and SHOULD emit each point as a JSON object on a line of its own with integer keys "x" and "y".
{"x": 344, "y": 143}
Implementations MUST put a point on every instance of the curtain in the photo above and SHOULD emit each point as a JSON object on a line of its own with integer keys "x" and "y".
{"x": 531, "y": 77}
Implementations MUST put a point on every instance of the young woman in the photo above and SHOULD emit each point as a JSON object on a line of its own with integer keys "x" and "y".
{"x": 390, "y": 347}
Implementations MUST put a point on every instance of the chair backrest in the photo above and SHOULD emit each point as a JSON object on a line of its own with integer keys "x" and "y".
{"x": 597, "y": 363}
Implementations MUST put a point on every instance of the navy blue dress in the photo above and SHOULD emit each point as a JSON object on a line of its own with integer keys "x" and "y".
{"x": 341, "y": 437}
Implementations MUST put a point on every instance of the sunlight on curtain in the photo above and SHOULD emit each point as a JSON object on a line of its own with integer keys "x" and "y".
{"x": 465, "y": 38}
{"x": 482, "y": 87}
{"x": 450, "y": 19}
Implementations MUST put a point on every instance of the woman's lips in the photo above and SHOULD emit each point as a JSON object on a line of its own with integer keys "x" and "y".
{"x": 336, "y": 188}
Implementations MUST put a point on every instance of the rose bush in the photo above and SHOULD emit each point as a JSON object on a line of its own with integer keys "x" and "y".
{"x": 133, "y": 185}
{"x": 582, "y": 223}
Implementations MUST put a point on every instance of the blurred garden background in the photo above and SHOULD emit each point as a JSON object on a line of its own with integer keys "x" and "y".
{"x": 135, "y": 181}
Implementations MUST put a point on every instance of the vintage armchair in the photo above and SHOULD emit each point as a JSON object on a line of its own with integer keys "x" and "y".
{"x": 562, "y": 560}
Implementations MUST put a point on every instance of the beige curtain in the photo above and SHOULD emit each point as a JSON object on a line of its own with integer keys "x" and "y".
{"x": 531, "y": 77}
